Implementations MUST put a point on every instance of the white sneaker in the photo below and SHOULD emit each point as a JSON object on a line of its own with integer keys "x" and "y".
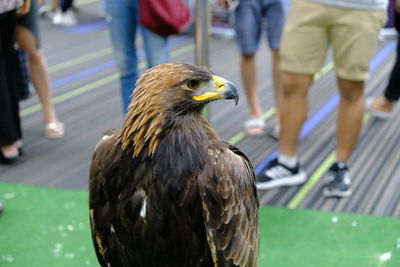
{"x": 65, "y": 19}
{"x": 57, "y": 17}
{"x": 387, "y": 34}
{"x": 376, "y": 113}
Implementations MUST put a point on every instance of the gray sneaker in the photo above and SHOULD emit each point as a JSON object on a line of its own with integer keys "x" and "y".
{"x": 273, "y": 130}
{"x": 1, "y": 207}
{"x": 337, "y": 181}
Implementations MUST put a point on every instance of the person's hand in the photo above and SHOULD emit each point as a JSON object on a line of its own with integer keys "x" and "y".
{"x": 228, "y": 3}
{"x": 397, "y": 6}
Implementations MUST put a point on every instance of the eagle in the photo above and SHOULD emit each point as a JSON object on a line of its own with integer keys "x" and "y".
{"x": 164, "y": 189}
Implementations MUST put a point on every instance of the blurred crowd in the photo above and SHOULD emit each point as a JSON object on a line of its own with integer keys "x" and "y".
{"x": 298, "y": 33}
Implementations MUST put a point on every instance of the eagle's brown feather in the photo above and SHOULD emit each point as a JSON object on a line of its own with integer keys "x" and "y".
{"x": 232, "y": 219}
{"x": 165, "y": 190}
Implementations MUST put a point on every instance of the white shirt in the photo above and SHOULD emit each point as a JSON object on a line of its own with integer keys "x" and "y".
{"x": 7, "y": 5}
{"x": 357, "y": 4}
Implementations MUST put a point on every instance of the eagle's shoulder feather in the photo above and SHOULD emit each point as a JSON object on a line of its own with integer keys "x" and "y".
{"x": 229, "y": 199}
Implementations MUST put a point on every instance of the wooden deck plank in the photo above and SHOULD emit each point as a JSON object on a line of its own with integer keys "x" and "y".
{"x": 64, "y": 163}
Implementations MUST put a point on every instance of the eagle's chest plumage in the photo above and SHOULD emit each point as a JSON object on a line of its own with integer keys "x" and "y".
{"x": 158, "y": 210}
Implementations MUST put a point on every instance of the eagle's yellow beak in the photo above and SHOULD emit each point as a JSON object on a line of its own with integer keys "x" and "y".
{"x": 221, "y": 89}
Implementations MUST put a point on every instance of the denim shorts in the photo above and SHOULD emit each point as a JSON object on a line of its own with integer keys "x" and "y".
{"x": 30, "y": 22}
{"x": 252, "y": 17}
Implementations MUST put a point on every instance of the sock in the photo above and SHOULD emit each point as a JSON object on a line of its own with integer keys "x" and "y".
{"x": 290, "y": 162}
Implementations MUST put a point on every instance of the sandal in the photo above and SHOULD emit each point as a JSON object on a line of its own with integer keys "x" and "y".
{"x": 254, "y": 126}
{"x": 54, "y": 130}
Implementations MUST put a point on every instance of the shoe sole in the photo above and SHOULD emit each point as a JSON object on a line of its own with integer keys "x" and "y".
{"x": 60, "y": 23}
{"x": 293, "y": 180}
{"x": 336, "y": 193}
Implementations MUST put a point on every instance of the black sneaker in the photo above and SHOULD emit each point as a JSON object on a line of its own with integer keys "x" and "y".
{"x": 1, "y": 207}
{"x": 337, "y": 181}
{"x": 276, "y": 174}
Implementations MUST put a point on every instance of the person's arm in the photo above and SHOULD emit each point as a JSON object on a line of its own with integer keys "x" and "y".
{"x": 397, "y": 6}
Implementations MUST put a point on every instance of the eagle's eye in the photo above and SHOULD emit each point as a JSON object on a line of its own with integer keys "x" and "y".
{"x": 192, "y": 84}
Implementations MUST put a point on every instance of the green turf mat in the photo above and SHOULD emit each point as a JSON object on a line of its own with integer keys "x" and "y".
{"x": 49, "y": 227}
{"x": 307, "y": 238}
{"x": 44, "y": 227}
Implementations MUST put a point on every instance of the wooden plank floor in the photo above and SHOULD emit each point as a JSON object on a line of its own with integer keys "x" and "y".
{"x": 86, "y": 92}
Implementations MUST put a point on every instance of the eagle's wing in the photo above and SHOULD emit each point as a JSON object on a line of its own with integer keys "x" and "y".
{"x": 230, "y": 203}
{"x": 96, "y": 197}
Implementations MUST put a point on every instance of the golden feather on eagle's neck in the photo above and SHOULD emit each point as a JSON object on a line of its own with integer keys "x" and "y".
{"x": 155, "y": 108}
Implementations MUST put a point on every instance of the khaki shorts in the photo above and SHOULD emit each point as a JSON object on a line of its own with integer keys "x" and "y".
{"x": 312, "y": 27}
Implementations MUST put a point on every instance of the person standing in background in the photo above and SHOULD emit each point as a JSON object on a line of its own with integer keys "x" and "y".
{"x": 250, "y": 18}
{"x": 382, "y": 107}
{"x": 352, "y": 28}
{"x": 65, "y": 15}
{"x": 10, "y": 125}
{"x": 28, "y": 39}
{"x": 123, "y": 16}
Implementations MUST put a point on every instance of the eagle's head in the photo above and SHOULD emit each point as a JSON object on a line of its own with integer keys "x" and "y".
{"x": 169, "y": 93}
{"x": 181, "y": 87}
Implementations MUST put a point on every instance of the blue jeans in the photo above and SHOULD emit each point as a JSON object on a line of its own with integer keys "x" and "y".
{"x": 155, "y": 48}
{"x": 123, "y": 24}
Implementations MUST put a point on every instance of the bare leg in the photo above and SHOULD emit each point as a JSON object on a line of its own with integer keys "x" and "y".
{"x": 350, "y": 115}
{"x": 294, "y": 109}
{"x": 54, "y": 4}
{"x": 38, "y": 74}
{"x": 277, "y": 79}
{"x": 249, "y": 77}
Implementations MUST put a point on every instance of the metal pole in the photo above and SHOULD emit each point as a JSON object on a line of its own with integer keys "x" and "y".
{"x": 202, "y": 26}
{"x": 202, "y": 37}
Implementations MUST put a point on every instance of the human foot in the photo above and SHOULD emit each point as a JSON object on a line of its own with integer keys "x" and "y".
{"x": 9, "y": 154}
{"x": 254, "y": 126}
{"x": 54, "y": 130}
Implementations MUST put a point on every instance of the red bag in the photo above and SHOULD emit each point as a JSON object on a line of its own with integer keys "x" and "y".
{"x": 164, "y": 17}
